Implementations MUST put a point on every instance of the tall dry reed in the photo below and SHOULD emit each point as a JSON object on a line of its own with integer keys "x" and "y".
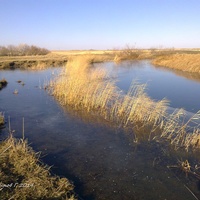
{"x": 90, "y": 89}
{"x": 182, "y": 131}
{"x": 85, "y": 88}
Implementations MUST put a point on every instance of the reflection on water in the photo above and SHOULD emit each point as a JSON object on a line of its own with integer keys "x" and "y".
{"x": 187, "y": 75}
{"x": 103, "y": 162}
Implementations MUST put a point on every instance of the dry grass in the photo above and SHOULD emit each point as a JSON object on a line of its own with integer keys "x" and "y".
{"x": 95, "y": 55}
{"x": 82, "y": 52}
{"x": 55, "y": 58}
{"x": 137, "y": 107}
{"x": 90, "y": 90}
{"x": 22, "y": 176}
{"x": 127, "y": 54}
{"x": 180, "y": 131}
{"x": 184, "y": 62}
{"x": 81, "y": 87}
{"x": 141, "y": 54}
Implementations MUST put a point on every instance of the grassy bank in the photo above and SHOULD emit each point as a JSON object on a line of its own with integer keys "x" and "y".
{"x": 183, "y": 62}
{"x": 24, "y": 62}
{"x": 55, "y": 58}
{"x": 90, "y": 90}
{"x": 132, "y": 54}
{"x": 23, "y": 176}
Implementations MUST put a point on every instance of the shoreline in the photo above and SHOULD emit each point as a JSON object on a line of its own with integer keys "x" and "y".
{"x": 24, "y": 62}
{"x": 185, "y": 60}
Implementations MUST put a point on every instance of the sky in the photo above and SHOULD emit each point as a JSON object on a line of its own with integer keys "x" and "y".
{"x": 100, "y": 24}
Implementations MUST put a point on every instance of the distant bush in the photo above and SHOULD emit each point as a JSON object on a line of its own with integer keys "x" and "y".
{"x": 22, "y": 50}
{"x": 126, "y": 54}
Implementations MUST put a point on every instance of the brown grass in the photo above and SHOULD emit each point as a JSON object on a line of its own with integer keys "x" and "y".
{"x": 131, "y": 54}
{"x": 82, "y": 52}
{"x": 55, "y": 58}
{"x": 58, "y": 58}
{"x": 23, "y": 176}
{"x": 127, "y": 54}
{"x": 182, "y": 131}
{"x": 183, "y": 62}
{"x": 90, "y": 90}
{"x": 81, "y": 87}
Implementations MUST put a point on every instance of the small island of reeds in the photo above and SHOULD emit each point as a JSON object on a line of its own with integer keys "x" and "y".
{"x": 85, "y": 88}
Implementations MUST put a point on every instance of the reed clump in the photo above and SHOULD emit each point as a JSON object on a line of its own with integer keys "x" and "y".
{"x": 23, "y": 176}
{"x": 182, "y": 131}
{"x": 89, "y": 89}
{"x": 185, "y": 62}
{"x": 82, "y": 87}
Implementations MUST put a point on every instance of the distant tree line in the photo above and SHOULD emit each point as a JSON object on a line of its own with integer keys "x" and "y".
{"x": 22, "y": 50}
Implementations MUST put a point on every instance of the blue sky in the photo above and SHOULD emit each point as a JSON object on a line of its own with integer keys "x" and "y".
{"x": 100, "y": 24}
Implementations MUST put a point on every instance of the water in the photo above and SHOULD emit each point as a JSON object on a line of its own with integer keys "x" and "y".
{"x": 103, "y": 162}
{"x": 181, "y": 89}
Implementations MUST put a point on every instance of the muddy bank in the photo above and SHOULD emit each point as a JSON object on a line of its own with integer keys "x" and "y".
{"x": 39, "y": 62}
{"x": 24, "y": 63}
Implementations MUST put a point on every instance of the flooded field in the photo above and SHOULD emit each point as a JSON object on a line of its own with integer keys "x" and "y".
{"x": 102, "y": 161}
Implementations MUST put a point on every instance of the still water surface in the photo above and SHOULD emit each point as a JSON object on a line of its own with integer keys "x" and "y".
{"x": 103, "y": 162}
{"x": 181, "y": 89}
